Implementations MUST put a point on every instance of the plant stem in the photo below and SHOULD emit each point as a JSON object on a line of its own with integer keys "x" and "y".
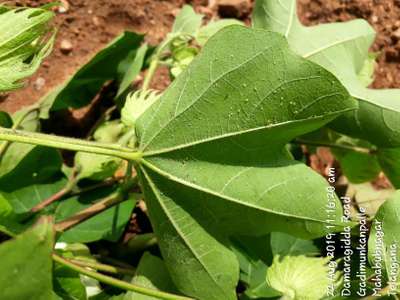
{"x": 150, "y": 73}
{"x": 57, "y": 196}
{"x": 336, "y": 146}
{"x": 91, "y": 211}
{"x": 4, "y": 146}
{"x": 118, "y": 283}
{"x": 103, "y": 267}
{"x": 68, "y": 143}
{"x": 155, "y": 61}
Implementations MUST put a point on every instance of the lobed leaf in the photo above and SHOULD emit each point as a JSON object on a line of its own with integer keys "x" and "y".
{"x": 342, "y": 48}
{"x": 224, "y": 120}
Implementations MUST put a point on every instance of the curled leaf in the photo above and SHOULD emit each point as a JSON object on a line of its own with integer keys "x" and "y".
{"x": 25, "y": 40}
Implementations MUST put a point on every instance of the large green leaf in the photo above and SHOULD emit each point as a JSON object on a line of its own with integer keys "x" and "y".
{"x": 23, "y": 44}
{"x": 26, "y": 265}
{"x": 341, "y": 48}
{"x": 383, "y": 243}
{"x": 109, "y": 63}
{"x": 224, "y": 120}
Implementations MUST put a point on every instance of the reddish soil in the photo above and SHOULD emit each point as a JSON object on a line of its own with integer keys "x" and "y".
{"x": 89, "y": 25}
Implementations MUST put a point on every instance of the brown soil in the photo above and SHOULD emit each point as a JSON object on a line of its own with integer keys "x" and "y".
{"x": 89, "y": 25}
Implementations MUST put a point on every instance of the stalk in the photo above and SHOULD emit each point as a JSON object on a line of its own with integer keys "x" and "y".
{"x": 4, "y": 146}
{"x": 103, "y": 267}
{"x": 66, "y": 143}
{"x": 118, "y": 283}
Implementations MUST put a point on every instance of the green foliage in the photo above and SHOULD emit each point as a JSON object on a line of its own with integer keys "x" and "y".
{"x": 342, "y": 48}
{"x": 229, "y": 206}
{"x": 151, "y": 273}
{"x": 26, "y": 266}
{"x": 25, "y": 40}
{"x": 173, "y": 169}
{"x": 110, "y": 63}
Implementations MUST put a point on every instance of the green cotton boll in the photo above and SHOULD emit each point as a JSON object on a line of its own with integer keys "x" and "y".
{"x": 25, "y": 40}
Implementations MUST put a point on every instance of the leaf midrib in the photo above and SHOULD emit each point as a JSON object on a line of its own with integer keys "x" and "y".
{"x": 222, "y": 196}
{"x": 235, "y": 133}
{"x": 180, "y": 234}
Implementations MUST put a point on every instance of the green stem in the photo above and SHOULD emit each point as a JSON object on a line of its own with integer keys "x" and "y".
{"x": 68, "y": 143}
{"x": 4, "y": 146}
{"x": 103, "y": 267}
{"x": 118, "y": 283}
{"x": 155, "y": 61}
{"x": 335, "y": 146}
{"x": 150, "y": 73}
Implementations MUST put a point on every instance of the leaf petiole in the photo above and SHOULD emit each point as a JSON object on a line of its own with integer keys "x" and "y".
{"x": 116, "y": 282}
{"x": 4, "y": 146}
{"x": 66, "y": 143}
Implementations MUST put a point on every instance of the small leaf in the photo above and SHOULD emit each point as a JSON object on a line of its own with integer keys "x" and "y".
{"x": 99, "y": 167}
{"x": 23, "y": 44}
{"x": 299, "y": 277}
{"x": 5, "y": 120}
{"x": 26, "y": 264}
{"x": 187, "y": 21}
{"x": 80, "y": 89}
{"x": 207, "y": 31}
{"x": 153, "y": 274}
{"x": 132, "y": 69}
